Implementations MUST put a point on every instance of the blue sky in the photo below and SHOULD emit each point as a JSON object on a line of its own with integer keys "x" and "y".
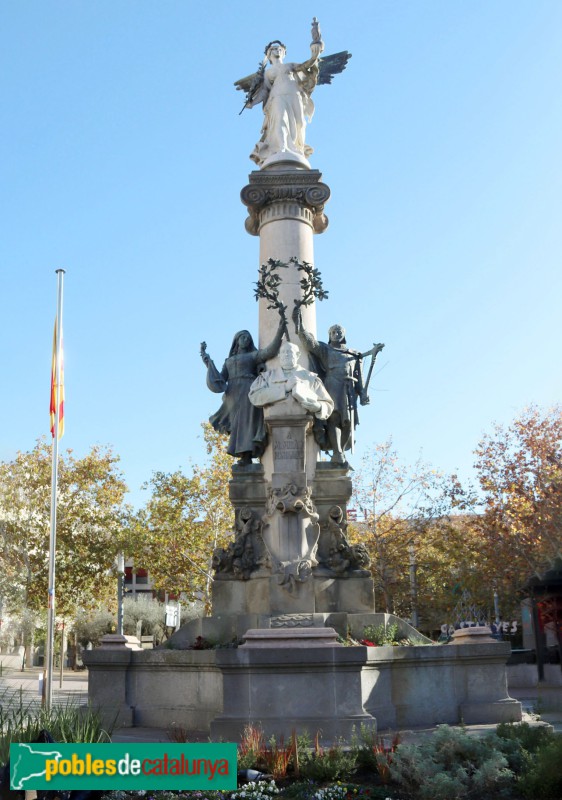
{"x": 123, "y": 156}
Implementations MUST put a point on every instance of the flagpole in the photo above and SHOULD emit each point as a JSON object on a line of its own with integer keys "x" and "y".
{"x": 49, "y": 648}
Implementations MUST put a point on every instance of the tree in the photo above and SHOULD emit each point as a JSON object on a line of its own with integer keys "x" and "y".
{"x": 90, "y": 626}
{"x": 184, "y": 520}
{"x": 406, "y": 527}
{"x": 519, "y": 469}
{"x": 91, "y": 527}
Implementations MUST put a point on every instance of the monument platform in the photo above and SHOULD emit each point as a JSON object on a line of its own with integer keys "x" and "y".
{"x": 283, "y": 687}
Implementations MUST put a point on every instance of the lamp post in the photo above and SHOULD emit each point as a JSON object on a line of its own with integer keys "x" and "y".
{"x": 120, "y": 582}
{"x": 497, "y": 607}
{"x": 413, "y": 585}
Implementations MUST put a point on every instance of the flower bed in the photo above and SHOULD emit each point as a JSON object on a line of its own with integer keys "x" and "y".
{"x": 518, "y": 762}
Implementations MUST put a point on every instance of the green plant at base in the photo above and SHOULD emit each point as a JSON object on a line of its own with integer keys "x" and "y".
{"x": 531, "y": 738}
{"x": 300, "y": 790}
{"x": 277, "y": 757}
{"x": 252, "y": 748}
{"x": 543, "y": 780}
{"x": 451, "y": 765}
{"x": 21, "y": 722}
{"x": 372, "y": 752}
{"x": 309, "y": 790}
{"x": 329, "y": 764}
{"x": 330, "y": 793}
{"x": 381, "y": 634}
{"x": 519, "y": 742}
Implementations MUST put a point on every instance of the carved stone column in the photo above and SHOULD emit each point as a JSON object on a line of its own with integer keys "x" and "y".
{"x": 285, "y": 209}
{"x": 291, "y": 527}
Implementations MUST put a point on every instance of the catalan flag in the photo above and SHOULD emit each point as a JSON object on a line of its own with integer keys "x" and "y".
{"x": 57, "y": 391}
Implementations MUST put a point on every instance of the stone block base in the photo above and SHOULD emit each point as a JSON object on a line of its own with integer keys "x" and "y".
{"x": 329, "y": 688}
{"x": 291, "y": 637}
{"x": 492, "y": 712}
{"x": 285, "y": 689}
{"x": 224, "y": 628}
{"x": 449, "y": 684}
{"x": 154, "y": 688}
{"x": 320, "y": 594}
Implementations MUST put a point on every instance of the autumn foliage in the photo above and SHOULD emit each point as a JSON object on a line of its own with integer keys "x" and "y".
{"x": 519, "y": 468}
{"x": 185, "y": 518}
{"x": 430, "y": 538}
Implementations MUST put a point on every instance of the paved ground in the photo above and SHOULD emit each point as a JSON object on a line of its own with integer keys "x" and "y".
{"x": 544, "y": 703}
{"x": 17, "y": 686}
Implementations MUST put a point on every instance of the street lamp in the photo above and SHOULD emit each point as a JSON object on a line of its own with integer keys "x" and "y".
{"x": 120, "y": 583}
{"x": 414, "y": 585}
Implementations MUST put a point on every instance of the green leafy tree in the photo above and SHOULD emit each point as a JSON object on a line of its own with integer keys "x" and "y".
{"x": 184, "y": 520}
{"x": 90, "y": 625}
{"x": 91, "y": 528}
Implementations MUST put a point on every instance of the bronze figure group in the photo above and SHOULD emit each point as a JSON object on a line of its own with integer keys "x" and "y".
{"x": 339, "y": 368}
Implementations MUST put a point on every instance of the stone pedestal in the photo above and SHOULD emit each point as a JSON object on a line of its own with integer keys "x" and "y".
{"x": 118, "y": 641}
{"x": 481, "y": 634}
{"x": 281, "y": 689}
{"x": 291, "y": 673}
{"x": 426, "y": 686}
{"x": 299, "y": 637}
{"x": 290, "y": 528}
{"x": 154, "y": 688}
{"x": 268, "y": 596}
{"x": 248, "y": 487}
{"x": 290, "y": 554}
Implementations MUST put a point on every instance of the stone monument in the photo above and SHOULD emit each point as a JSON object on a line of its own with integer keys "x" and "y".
{"x": 290, "y": 558}
{"x": 290, "y": 578}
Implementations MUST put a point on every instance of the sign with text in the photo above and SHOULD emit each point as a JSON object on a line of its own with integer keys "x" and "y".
{"x": 62, "y": 767}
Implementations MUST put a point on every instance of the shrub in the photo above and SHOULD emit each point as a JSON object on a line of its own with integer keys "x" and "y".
{"x": 543, "y": 781}
{"x": 381, "y": 634}
{"x": 251, "y": 748}
{"x": 372, "y": 752}
{"x": 450, "y": 765}
{"x": 323, "y": 765}
{"x": 519, "y": 742}
{"x": 531, "y": 738}
{"x": 277, "y": 757}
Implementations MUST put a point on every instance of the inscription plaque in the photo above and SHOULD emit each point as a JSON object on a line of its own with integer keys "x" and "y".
{"x": 288, "y": 449}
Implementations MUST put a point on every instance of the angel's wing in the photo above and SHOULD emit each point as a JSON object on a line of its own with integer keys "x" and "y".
{"x": 245, "y": 84}
{"x": 331, "y": 65}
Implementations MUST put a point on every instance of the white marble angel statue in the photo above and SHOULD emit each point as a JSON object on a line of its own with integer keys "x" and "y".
{"x": 285, "y": 90}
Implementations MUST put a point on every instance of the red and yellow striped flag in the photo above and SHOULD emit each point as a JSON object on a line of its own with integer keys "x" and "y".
{"x": 54, "y": 392}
